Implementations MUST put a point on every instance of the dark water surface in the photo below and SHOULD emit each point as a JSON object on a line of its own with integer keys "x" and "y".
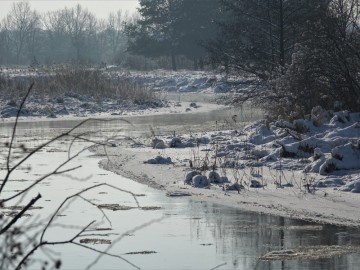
{"x": 185, "y": 234}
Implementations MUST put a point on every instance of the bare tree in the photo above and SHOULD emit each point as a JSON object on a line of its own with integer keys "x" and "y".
{"x": 115, "y": 27}
{"x": 21, "y": 25}
{"x": 58, "y": 43}
{"x": 80, "y": 24}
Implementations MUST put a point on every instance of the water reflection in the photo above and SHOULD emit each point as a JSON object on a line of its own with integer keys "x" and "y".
{"x": 242, "y": 237}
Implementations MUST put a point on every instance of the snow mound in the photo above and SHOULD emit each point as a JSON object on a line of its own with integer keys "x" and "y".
{"x": 353, "y": 187}
{"x": 330, "y": 182}
{"x": 189, "y": 177}
{"x": 318, "y": 145}
{"x": 215, "y": 178}
{"x": 196, "y": 179}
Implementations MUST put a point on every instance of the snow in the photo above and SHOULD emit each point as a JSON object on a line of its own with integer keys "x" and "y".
{"x": 319, "y": 147}
{"x": 187, "y": 81}
{"x": 253, "y": 169}
{"x": 266, "y": 165}
{"x": 73, "y": 104}
{"x": 353, "y": 187}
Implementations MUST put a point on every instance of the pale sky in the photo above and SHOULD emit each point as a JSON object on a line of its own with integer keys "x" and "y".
{"x": 100, "y": 8}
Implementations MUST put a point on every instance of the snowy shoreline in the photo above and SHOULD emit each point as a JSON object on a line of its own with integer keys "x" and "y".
{"x": 273, "y": 184}
{"x": 338, "y": 208}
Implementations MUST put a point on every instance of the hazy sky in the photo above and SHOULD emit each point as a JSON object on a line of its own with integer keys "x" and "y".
{"x": 100, "y": 8}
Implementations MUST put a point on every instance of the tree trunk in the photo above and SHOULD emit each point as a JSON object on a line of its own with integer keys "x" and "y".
{"x": 195, "y": 64}
{"x": 173, "y": 60}
{"x": 78, "y": 53}
{"x": 281, "y": 28}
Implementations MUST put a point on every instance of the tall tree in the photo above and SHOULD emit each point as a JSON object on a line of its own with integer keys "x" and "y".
{"x": 115, "y": 32}
{"x": 339, "y": 52}
{"x": 259, "y": 36}
{"x": 174, "y": 27}
{"x": 21, "y": 25}
{"x": 156, "y": 33}
{"x": 325, "y": 65}
{"x": 58, "y": 42}
{"x": 197, "y": 23}
{"x": 80, "y": 25}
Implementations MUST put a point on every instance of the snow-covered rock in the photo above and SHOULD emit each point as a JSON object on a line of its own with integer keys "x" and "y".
{"x": 200, "y": 181}
{"x": 157, "y": 143}
{"x": 159, "y": 160}
{"x": 175, "y": 142}
{"x": 190, "y": 175}
{"x": 255, "y": 184}
{"x": 215, "y": 177}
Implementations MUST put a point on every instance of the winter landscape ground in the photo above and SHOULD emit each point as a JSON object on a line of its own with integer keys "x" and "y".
{"x": 307, "y": 169}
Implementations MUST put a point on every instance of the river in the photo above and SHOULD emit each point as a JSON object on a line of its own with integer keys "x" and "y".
{"x": 178, "y": 233}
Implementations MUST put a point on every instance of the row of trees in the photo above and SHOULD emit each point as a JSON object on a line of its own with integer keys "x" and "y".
{"x": 305, "y": 52}
{"x": 63, "y": 35}
{"x": 174, "y": 30}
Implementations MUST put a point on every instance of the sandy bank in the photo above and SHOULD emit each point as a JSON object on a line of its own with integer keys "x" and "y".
{"x": 324, "y": 206}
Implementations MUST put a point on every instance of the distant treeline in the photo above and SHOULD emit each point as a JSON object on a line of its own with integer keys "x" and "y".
{"x": 69, "y": 34}
{"x": 76, "y": 35}
{"x": 304, "y": 52}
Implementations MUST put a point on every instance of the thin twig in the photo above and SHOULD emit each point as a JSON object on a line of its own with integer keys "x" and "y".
{"x": 20, "y": 214}
{"x": 78, "y": 194}
{"x": 107, "y": 254}
{"x": 122, "y": 236}
{"x": 15, "y": 126}
{"x": 220, "y": 265}
{"x": 43, "y": 243}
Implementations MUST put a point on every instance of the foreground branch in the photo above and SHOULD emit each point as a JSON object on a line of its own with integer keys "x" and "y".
{"x": 20, "y": 214}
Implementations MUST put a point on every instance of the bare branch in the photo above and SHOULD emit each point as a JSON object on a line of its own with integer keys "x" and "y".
{"x": 107, "y": 254}
{"x": 20, "y": 214}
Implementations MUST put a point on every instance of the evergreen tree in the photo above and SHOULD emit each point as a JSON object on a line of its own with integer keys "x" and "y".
{"x": 174, "y": 27}
{"x": 198, "y": 25}
{"x": 156, "y": 33}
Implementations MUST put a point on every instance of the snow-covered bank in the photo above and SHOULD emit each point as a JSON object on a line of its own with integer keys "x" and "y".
{"x": 185, "y": 81}
{"x": 165, "y": 91}
{"x": 271, "y": 167}
{"x": 307, "y": 168}
{"x": 107, "y": 111}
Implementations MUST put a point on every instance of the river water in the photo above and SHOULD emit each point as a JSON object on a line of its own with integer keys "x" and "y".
{"x": 181, "y": 234}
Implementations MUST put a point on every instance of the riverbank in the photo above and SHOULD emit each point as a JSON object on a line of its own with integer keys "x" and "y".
{"x": 273, "y": 163}
{"x": 166, "y": 169}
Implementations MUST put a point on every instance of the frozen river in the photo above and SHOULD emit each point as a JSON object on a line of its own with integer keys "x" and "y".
{"x": 177, "y": 233}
